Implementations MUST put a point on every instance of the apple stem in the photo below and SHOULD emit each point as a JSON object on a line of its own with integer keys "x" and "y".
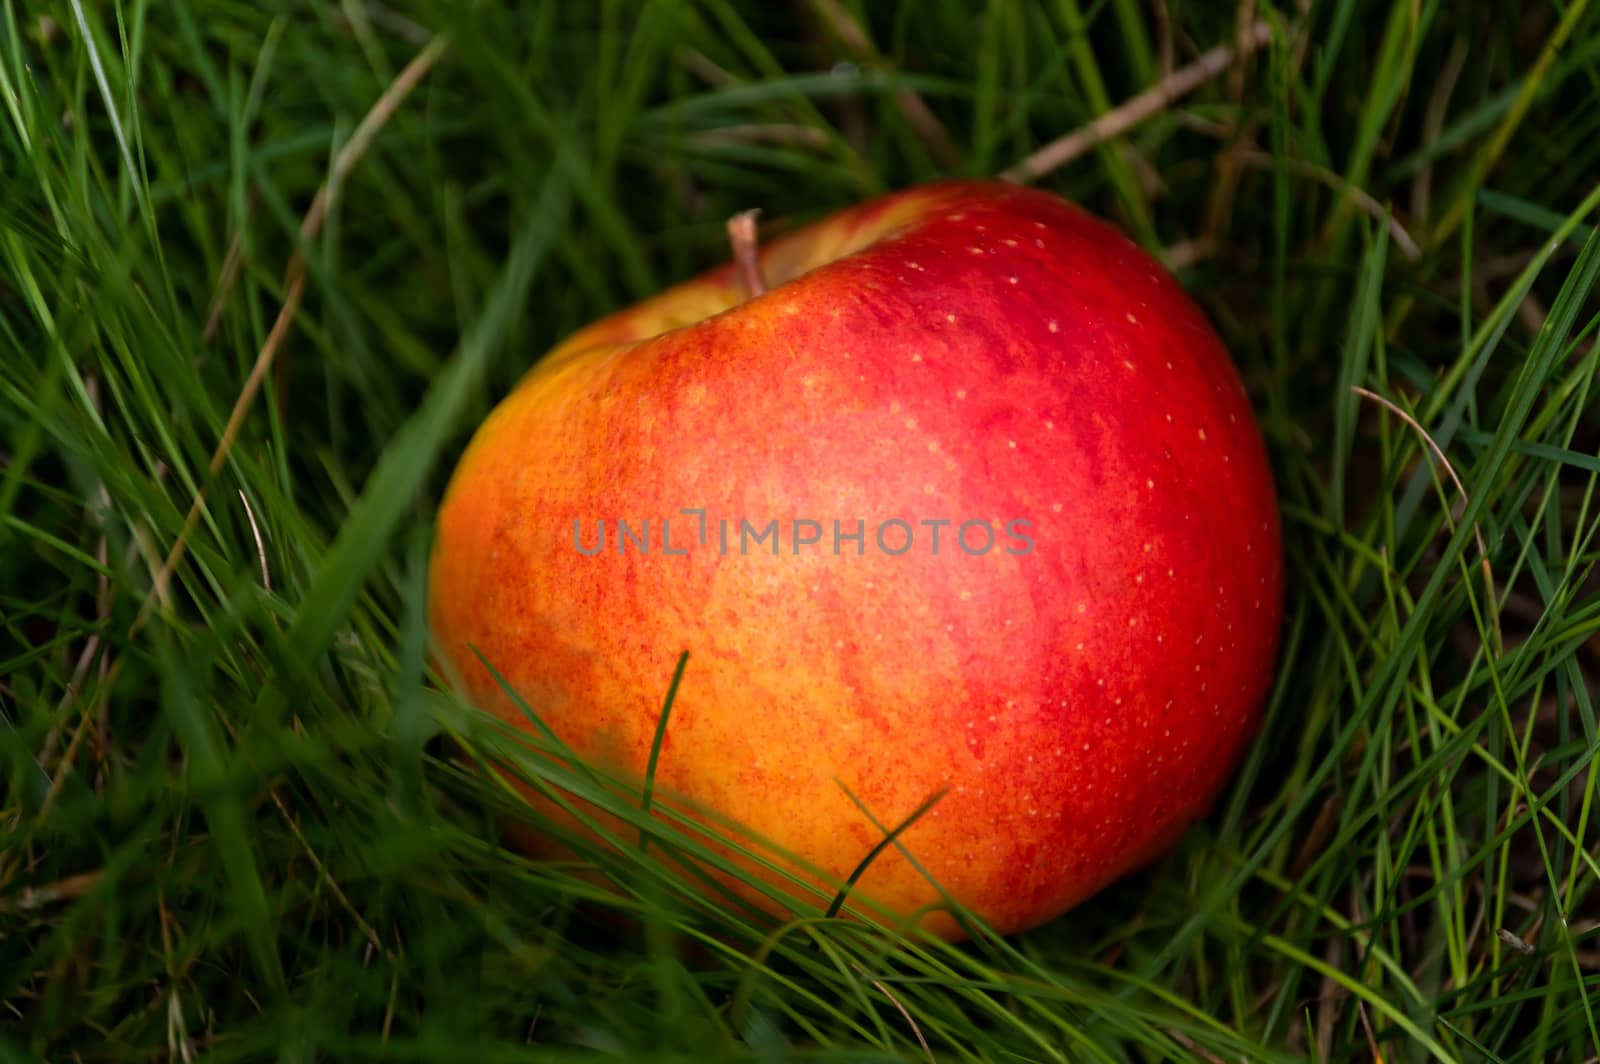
{"x": 742, "y": 237}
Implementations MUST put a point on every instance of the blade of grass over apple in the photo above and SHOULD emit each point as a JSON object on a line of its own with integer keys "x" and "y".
{"x": 581, "y": 790}
{"x": 558, "y": 746}
{"x": 890, "y": 838}
{"x": 411, "y": 454}
{"x": 649, "y": 786}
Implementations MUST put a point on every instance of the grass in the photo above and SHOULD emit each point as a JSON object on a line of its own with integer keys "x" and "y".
{"x": 235, "y": 827}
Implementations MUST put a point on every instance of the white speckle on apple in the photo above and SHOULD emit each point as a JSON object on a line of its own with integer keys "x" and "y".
{"x": 1169, "y": 363}
{"x": 965, "y": 594}
{"x": 1054, "y": 326}
{"x": 1148, "y": 547}
{"x": 1169, "y": 419}
{"x": 1132, "y": 320}
{"x": 927, "y": 489}
{"x": 1055, "y": 507}
{"x": 951, "y": 318}
{"x": 1010, "y": 243}
{"x": 958, "y": 216}
{"x": 1038, "y": 243}
{"x": 1202, "y": 435}
{"x": 1083, "y": 607}
{"x": 1127, "y": 363}
{"x": 1012, "y": 444}
{"x": 914, "y": 265}
{"x": 1161, "y": 639}
{"x": 1012, "y": 279}
{"x": 933, "y": 445}
{"x": 974, "y": 250}
{"x": 1149, "y": 483}
{"x": 961, "y": 393}
{"x": 916, "y": 358}
{"x": 1079, "y": 647}
{"x": 911, "y": 422}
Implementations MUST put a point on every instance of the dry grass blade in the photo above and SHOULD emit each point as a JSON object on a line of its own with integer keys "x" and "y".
{"x": 294, "y": 288}
{"x": 884, "y": 990}
{"x": 255, "y": 530}
{"x": 30, "y": 898}
{"x": 1477, "y": 532}
{"x": 362, "y": 925}
{"x": 1152, "y": 101}
{"x": 1372, "y": 1041}
{"x": 1359, "y": 196}
{"x": 1194, "y": 1047}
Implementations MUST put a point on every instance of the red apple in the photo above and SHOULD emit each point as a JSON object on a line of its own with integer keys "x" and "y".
{"x": 1078, "y": 665}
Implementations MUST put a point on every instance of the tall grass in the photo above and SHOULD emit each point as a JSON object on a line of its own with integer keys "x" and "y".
{"x": 240, "y": 820}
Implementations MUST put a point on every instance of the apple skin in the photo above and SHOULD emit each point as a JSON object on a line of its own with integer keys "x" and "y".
{"x": 962, "y": 351}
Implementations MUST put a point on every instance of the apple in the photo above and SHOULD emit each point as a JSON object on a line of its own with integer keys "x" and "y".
{"x": 968, "y": 503}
